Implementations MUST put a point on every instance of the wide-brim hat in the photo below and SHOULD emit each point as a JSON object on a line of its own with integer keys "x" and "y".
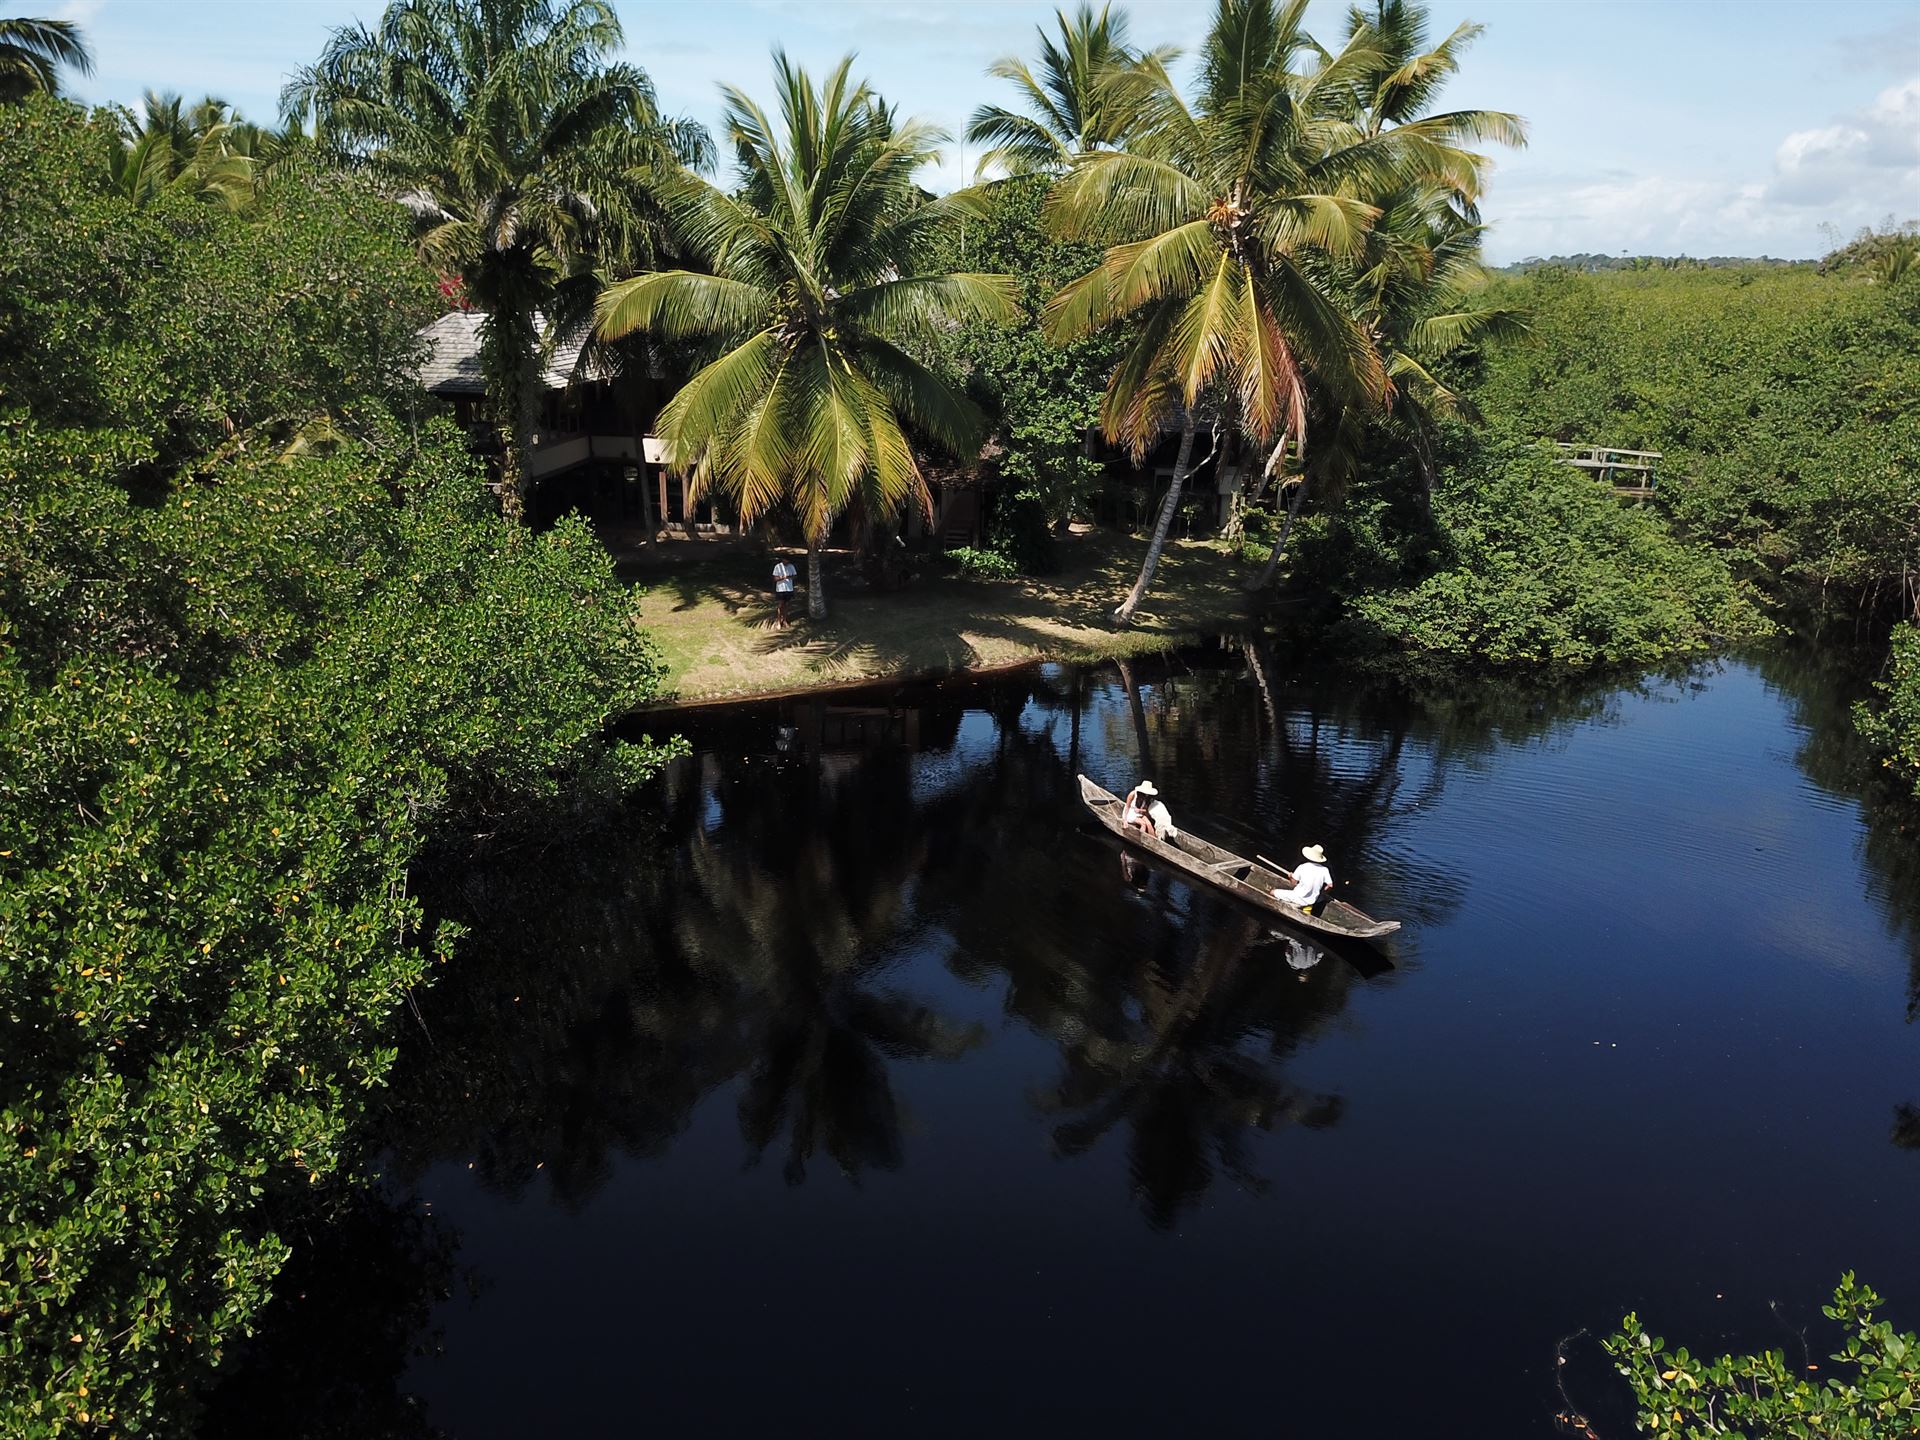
{"x": 1315, "y": 854}
{"x": 1145, "y": 787}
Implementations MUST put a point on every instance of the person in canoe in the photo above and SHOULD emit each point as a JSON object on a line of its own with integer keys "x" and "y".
{"x": 1145, "y": 812}
{"x": 1310, "y": 881}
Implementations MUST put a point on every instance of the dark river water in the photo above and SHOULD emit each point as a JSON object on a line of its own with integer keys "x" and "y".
{"x": 860, "y": 1086}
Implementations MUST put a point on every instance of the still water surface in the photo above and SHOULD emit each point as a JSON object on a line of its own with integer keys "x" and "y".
{"x": 866, "y": 1088}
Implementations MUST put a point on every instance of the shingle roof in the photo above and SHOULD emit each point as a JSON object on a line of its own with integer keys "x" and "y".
{"x": 452, "y": 366}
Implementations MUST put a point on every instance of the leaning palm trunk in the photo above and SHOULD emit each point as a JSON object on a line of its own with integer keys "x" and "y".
{"x": 1272, "y": 567}
{"x": 1182, "y": 463}
{"x": 816, "y": 580}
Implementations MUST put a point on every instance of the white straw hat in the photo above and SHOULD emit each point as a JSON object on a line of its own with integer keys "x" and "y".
{"x": 1145, "y": 787}
{"x": 1315, "y": 854}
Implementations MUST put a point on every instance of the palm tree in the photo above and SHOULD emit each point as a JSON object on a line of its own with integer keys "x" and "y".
{"x": 32, "y": 52}
{"x": 1894, "y": 257}
{"x": 1067, "y": 114}
{"x": 1239, "y": 218}
{"x": 1226, "y": 213}
{"x": 812, "y": 301}
{"x": 205, "y": 149}
{"x": 1418, "y": 282}
{"x": 514, "y": 140}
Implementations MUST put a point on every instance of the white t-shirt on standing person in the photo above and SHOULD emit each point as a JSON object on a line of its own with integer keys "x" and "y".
{"x": 783, "y": 574}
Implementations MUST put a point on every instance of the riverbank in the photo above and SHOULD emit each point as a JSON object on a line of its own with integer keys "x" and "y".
{"x": 711, "y": 610}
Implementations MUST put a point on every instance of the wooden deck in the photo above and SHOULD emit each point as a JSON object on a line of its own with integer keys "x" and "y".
{"x": 1629, "y": 472}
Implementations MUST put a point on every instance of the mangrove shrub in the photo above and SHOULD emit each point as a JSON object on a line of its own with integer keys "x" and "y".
{"x": 1524, "y": 560}
{"x": 263, "y": 640}
{"x": 1872, "y": 1391}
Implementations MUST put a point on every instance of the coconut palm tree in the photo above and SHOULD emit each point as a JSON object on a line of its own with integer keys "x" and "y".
{"x": 1226, "y": 213}
{"x": 32, "y": 52}
{"x": 516, "y": 142}
{"x": 1417, "y": 282}
{"x": 1238, "y": 219}
{"x": 812, "y": 298}
{"x": 1066, "y": 110}
{"x": 1894, "y": 257}
{"x": 204, "y": 149}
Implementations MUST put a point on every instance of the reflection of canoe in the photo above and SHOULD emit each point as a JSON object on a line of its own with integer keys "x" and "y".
{"x": 1248, "y": 880}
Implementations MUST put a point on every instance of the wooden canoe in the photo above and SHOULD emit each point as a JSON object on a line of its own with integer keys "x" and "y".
{"x": 1248, "y": 880}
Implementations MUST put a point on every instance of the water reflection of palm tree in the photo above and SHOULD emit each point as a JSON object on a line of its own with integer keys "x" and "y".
{"x": 610, "y": 986}
{"x": 810, "y": 936}
{"x": 1186, "y": 1074}
{"x": 821, "y": 1072}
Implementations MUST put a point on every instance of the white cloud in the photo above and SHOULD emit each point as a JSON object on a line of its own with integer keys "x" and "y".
{"x": 1857, "y": 171}
{"x": 1647, "y": 214}
{"x": 1875, "y": 152}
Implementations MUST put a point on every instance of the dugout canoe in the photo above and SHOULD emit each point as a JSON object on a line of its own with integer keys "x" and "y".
{"x": 1253, "y": 881}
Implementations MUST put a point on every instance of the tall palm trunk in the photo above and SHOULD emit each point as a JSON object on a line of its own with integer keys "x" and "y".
{"x": 526, "y": 420}
{"x": 816, "y": 580}
{"x": 1183, "y": 462}
{"x": 1272, "y": 567}
{"x": 509, "y": 356}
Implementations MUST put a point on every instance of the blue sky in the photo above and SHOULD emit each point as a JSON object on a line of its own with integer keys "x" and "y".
{"x": 1658, "y": 126}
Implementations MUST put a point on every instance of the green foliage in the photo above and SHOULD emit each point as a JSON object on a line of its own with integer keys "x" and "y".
{"x": 184, "y": 326}
{"x": 982, "y": 564}
{"x": 1786, "y": 404}
{"x": 1043, "y": 398}
{"x": 522, "y": 147}
{"x": 1876, "y": 1397}
{"x": 1885, "y": 257}
{"x": 1067, "y": 105}
{"x": 1892, "y": 726}
{"x": 250, "y": 670}
{"x": 1526, "y": 561}
{"x": 826, "y": 273}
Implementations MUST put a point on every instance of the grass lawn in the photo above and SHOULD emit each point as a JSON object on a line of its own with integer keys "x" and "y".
{"x": 710, "y": 606}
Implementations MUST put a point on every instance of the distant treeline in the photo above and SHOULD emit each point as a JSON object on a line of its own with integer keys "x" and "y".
{"x": 1591, "y": 261}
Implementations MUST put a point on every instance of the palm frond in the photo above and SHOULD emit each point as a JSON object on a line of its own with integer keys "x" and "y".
{"x": 922, "y": 398}
{"x": 1175, "y": 262}
{"x": 1334, "y": 224}
{"x": 1079, "y": 308}
{"x": 895, "y": 309}
{"x": 679, "y": 305}
{"x": 1116, "y": 195}
{"x": 1439, "y": 334}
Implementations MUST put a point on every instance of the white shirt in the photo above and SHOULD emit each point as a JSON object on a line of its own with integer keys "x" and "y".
{"x": 783, "y": 574}
{"x": 1308, "y": 881}
{"x": 1162, "y": 820}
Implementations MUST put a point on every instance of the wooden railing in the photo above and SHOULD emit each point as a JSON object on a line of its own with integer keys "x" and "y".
{"x": 1629, "y": 472}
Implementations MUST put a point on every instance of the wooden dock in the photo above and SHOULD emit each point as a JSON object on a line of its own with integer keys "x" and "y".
{"x": 1629, "y": 472}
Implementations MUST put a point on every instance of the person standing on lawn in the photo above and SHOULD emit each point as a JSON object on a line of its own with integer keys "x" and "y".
{"x": 783, "y": 576}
